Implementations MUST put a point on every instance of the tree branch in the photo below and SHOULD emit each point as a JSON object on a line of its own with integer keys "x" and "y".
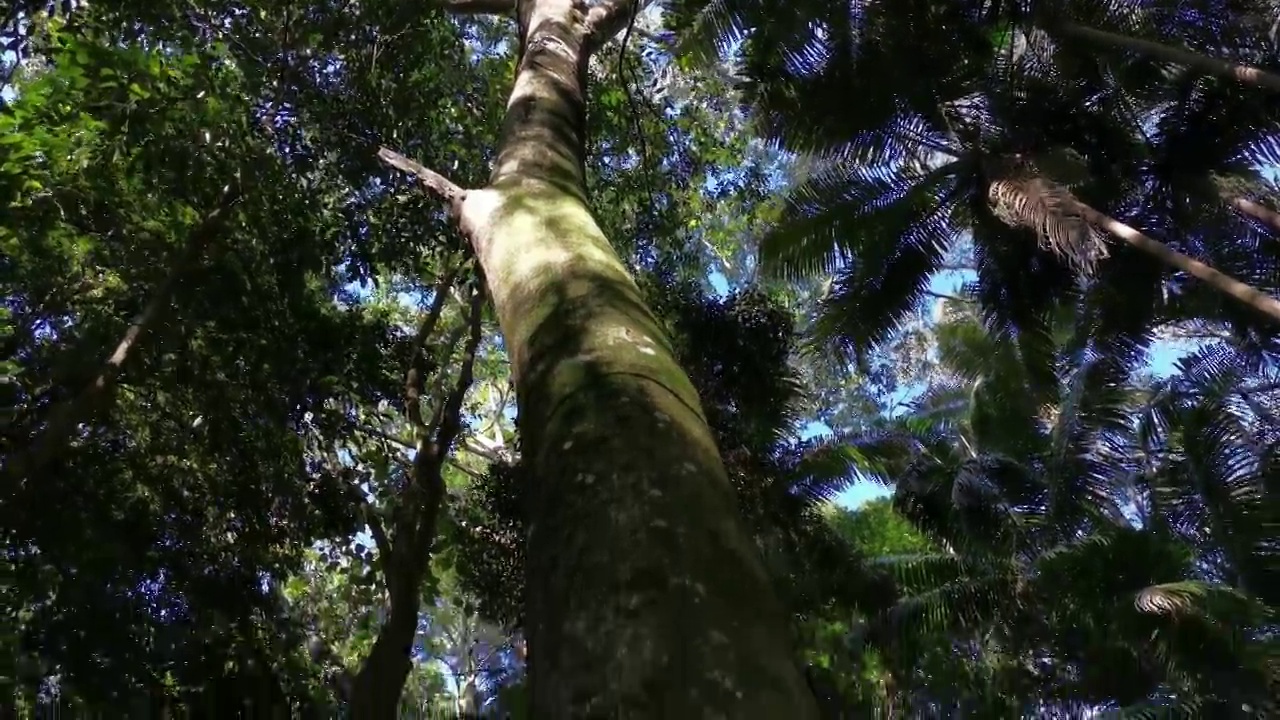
{"x": 379, "y": 534}
{"x": 413, "y": 375}
{"x": 384, "y": 435}
{"x": 491, "y": 454}
{"x": 945, "y": 296}
{"x": 479, "y": 7}
{"x": 473, "y": 474}
{"x": 450, "y": 343}
{"x": 64, "y": 416}
{"x": 435, "y": 183}
{"x": 450, "y": 417}
{"x": 608, "y": 18}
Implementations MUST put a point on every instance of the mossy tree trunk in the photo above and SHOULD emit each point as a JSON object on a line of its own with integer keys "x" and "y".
{"x": 646, "y": 595}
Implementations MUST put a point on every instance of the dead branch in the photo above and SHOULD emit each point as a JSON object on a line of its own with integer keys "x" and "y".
{"x": 435, "y": 183}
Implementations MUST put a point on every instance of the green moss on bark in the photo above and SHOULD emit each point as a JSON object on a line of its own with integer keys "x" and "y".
{"x": 646, "y": 595}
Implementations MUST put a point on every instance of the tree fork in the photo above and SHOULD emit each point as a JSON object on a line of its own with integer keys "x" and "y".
{"x": 646, "y": 595}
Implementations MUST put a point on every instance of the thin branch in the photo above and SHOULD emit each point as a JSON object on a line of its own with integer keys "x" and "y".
{"x": 473, "y": 474}
{"x": 384, "y": 435}
{"x": 450, "y": 418}
{"x": 944, "y": 296}
{"x": 421, "y": 503}
{"x": 413, "y": 375}
{"x": 437, "y": 389}
{"x": 435, "y": 183}
{"x": 64, "y": 417}
{"x": 379, "y": 533}
{"x": 488, "y": 453}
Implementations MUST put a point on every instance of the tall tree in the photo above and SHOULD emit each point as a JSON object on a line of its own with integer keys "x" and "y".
{"x": 646, "y": 595}
{"x": 193, "y": 489}
{"x": 404, "y": 548}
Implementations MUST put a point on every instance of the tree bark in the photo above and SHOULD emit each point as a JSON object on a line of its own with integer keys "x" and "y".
{"x": 646, "y": 595}
{"x": 1244, "y": 74}
{"x": 63, "y": 417}
{"x": 376, "y": 691}
{"x": 1227, "y": 285}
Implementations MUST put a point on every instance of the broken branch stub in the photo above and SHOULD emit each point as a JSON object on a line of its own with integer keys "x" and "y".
{"x": 435, "y": 183}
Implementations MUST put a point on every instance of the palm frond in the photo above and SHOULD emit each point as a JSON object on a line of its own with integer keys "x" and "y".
{"x": 843, "y": 209}
{"x": 873, "y": 295}
{"x": 1197, "y": 598}
{"x": 1048, "y": 209}
{"x": 1087, "y": 440}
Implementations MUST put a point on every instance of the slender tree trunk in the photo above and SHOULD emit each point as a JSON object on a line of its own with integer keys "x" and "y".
{"x": 63, "y": 417}
{"x": 1244, "y": 74}
{"x": 646, "y": 596}
{"x": 1220, "y": 281}
{"x": 406, "y": 557}
{"x": 376, "y": 691}
{"x": 1256, "y": 210}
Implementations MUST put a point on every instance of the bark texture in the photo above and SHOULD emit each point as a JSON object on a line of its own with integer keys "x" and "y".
{"x": 376, "y": 691}
{"x": 646, "y": 596}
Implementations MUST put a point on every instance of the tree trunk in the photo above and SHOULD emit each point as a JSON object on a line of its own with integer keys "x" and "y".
{"x": 406, "y": 557}
{"x": 1257, "y": 211}
{"x": 1244, "y": 74}
{"x": 1222, "y": 282}
{"x": 646, "y": 596}
{"x": 376, "y": 691}
{"x": 64, "y": 416}
{"x": 468, "y": 697}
